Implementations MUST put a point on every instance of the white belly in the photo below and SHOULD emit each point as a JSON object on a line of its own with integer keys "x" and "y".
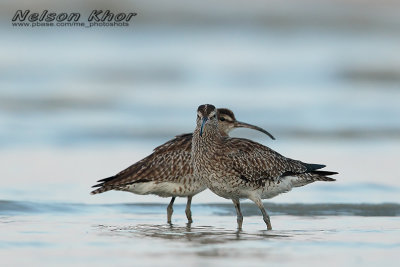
{"x": 164, "y": 189}
{"x": 270, "y": 190}
{"x": 284, "y": 185}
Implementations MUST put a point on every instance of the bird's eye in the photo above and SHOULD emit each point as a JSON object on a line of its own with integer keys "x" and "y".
{"x": 222, "y": 119}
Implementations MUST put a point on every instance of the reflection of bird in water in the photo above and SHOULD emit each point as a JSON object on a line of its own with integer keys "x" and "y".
{"x": 168, "y": 172}
{"x": 236, "y": 168}
{"x": 199, "y": 234}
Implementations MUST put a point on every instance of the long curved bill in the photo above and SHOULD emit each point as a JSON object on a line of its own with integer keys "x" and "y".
{"x": 239, "y": 124}
{"x": 202, "y": 126}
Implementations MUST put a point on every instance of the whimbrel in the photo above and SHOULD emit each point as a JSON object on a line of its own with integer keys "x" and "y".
{"x": 168, "y": 172}
{"x": 237, "y": 168}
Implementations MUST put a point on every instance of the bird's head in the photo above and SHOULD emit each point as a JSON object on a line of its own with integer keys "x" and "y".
{"x": 206, "y": 117}
{"x": 228, "y": 122}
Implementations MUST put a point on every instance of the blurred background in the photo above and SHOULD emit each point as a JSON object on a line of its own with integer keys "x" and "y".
{"x": 80, "y": 104}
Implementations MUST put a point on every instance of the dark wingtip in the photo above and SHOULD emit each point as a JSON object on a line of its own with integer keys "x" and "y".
{"x": 101, "y": 182}
{"x": 329, "y": 179}
{"x": 106, "y": 179}
{"x": 324, "y": 173}
{"x": 313, "y": 167}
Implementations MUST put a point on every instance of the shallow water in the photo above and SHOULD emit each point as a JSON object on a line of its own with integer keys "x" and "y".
{"x": 126, "y": 235}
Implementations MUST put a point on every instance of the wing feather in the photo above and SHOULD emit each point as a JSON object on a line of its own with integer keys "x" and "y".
{"x": 169, "y": 161}
{"x": 257, "y": 162}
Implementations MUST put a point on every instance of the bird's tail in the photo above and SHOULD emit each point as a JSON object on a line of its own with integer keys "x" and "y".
{"x": 103, "y": 187}
{"x": 323, "y": 176}
{"x": 313, "y": 176}
{"x": 100, "y": 190}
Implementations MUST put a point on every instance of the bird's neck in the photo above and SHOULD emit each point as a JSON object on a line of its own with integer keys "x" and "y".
{"x": 210, "y": 139}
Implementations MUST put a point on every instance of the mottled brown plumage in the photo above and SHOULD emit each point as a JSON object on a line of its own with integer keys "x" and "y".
{"x": 236, "y": 168}
{"x": 168, "y": 171}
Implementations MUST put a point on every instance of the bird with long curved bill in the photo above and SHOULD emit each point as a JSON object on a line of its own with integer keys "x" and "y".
{"x": 237, "y": 168}
{"x": 168, "y": 171}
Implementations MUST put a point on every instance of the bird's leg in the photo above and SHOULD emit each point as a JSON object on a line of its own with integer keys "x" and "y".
{"x": 264, "y": 213}
{"x": 238, "y": 213}
{"x": 187, "y": 210}
{"x": 170, "y": 210}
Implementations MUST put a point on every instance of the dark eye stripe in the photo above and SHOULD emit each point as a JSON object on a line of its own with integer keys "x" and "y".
{"x": 226, "y": 119}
